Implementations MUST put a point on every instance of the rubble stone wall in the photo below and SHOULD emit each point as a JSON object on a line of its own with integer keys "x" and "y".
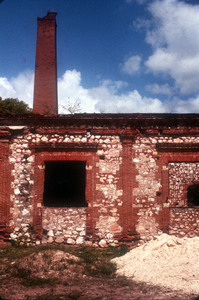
{"x": 21, "y": 209}
{"x": 109, "y": 194}
{"x": 181, "y": 174}
{"x": 184, "y": 221}
{"x": 63, "y": 224}
{"x": 125, "y": 193}
{"x": 148, "y": 184}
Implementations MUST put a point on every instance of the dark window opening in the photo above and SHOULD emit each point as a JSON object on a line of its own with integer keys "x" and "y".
{"x": 193, "y": 195}
{"x": 64, "y": 184}
{"x": 102, "y": 157}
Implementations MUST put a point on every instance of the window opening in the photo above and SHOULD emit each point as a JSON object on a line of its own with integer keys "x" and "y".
{"x": 193, "y": 195}
{"x": 64, "y": 184}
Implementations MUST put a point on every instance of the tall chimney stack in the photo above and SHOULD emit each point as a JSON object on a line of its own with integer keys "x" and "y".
{"x": 45, "y": 86}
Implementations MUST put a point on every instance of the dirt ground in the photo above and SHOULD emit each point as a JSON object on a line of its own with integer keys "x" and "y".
{"x": 55, "y": 275}
{"x": 91, "y": 288}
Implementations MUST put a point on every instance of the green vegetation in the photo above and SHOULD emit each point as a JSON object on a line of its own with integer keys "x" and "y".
{"x": 39, "y": 265}
{"x": 13, "y": 106}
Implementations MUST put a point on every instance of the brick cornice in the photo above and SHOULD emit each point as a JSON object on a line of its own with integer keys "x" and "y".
{"x": 177, "y": 147}
{"x": 64, "y": 147}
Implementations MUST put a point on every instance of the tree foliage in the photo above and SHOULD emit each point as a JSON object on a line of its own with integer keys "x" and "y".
{"x": 14, "y": 105}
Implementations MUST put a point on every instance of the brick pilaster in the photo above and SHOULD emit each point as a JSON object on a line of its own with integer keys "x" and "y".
{"x": 5, "y": 184}
{"x": 127, "y": 184}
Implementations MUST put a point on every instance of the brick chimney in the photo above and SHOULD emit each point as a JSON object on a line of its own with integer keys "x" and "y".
{"x": 45, "y": 86}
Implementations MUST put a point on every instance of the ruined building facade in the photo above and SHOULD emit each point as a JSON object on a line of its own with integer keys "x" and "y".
{"x": 94, "y": 179}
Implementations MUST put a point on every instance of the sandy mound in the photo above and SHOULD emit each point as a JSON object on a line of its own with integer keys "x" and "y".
{"x": 51, "y": 263}
{"x": 166, "y": 261}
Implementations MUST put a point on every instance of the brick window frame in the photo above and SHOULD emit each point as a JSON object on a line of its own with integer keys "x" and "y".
{"x": 173, "y": 152}
{"x": 70, "y": 152}
{"x": 166, "y": 158}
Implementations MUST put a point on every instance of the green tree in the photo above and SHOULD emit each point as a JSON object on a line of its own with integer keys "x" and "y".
{"x": 14, "y": 105}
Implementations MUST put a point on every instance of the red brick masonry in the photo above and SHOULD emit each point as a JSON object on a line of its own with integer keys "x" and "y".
{"x": 138, "y": 168}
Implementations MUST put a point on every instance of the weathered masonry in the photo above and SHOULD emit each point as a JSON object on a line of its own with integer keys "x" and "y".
{"x": 94, "y": 179}
{"x": 99, "y": 179}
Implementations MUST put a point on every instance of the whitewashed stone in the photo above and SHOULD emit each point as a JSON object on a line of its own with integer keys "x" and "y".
{"x": 70, "y": 241}
{"x": 59, "y": 240}
{"x": 17, "y": 191}
{"x": 102, "y": 243}
{"x": 44, "y": 139}
{"x": 50, "y": 239}
{"x": 50, "y": 233}
{"x": 31, "y": 159}
{"x": 83, "y": 233}
{"x": 80, "y": 240}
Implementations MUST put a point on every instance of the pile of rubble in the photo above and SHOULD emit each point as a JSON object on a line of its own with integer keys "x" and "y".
{"x": 165, "y": 261}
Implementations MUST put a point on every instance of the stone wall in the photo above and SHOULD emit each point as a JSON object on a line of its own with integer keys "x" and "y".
{"x": 109, "y": 195}
{"x": 148, "y": 185}
{"x": 21, "y": 199}
{"x": 184, "y": 221}
{"x": 131, "y": 185}
{"x": 181, "y": 174}
{"x": 150, "y": 199}
{"x": 63, "y": 224}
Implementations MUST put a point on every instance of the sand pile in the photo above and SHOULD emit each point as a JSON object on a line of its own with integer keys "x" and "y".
{"x": 166, "y": 261}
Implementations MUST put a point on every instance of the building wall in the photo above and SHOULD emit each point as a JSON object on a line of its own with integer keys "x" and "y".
{"x": 135, "y": 185}
{"x": 28, "y": 154}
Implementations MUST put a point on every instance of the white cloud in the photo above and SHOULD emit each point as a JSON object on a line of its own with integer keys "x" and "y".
{"x": 20, "y": 87}
{"x": 108, "y": 97}
{"x": 141, "y": 24}
{"x": 175, "y": 42}
{"x": 70, "y": 89}
{"x": 191, "y": 105}
{"x": 163, "y": 89}
{"x": 111, "y": 100}
{"x": 132, "y": 65}
{"x": 131, "y": 102}
{"x": 104, "y": 98}
{"x": 6, "y": 89}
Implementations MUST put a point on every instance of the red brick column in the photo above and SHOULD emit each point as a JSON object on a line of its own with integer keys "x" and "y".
{"x": 5, "y": 181}
{"x": 45, "y": 87}
{"x": 127, "y": 184}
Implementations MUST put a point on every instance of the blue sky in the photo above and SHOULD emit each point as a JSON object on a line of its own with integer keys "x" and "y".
{"x": 113, "y": 55}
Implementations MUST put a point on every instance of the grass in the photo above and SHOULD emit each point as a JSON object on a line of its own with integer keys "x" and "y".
{"x": 12, "y": 252}
{"x": 95, "y": 262}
